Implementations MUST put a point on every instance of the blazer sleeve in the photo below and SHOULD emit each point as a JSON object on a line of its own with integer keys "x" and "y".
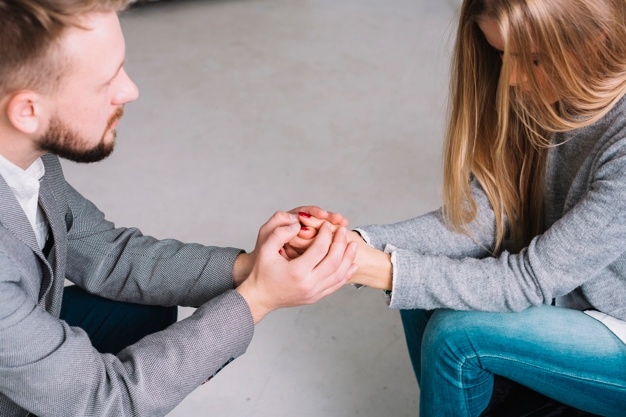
{"x": 52, "y": 370}
{"x": 123, "y": 264}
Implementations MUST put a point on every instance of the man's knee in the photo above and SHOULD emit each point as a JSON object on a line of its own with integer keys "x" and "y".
{"x": 113, "y": 325}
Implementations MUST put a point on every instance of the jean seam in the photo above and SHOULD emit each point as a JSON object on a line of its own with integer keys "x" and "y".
{"x": 577, "y": 378}
{"x": 460, "y": 371}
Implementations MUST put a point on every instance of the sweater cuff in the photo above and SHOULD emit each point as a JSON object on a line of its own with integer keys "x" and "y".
{"x": 389, "y": 295}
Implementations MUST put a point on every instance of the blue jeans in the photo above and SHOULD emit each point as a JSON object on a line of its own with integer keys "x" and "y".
{"x": 563, "y": 354}
{"x": 113, "y": 325}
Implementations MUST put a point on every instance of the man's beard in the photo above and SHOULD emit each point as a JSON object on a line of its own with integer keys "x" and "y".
{"x": 62, "y": 141}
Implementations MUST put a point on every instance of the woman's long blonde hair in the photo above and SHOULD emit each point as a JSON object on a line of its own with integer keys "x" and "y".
{"x": 499, "y": 135}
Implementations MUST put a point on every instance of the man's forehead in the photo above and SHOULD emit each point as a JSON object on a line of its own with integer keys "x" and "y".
{"x": 97, "y": 40}
{"x": 94, "y": 30}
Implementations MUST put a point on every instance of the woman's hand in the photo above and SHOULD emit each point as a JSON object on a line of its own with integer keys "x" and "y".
{"x": 309, "y": 226}
{"x": 311, "y": 218}
{"x": 374, "y": 265}
{"x": 316, "y": 212}
{"x": 243, "y": 264}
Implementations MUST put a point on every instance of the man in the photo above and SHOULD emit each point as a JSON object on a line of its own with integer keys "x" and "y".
{"x": 62, "y": 90}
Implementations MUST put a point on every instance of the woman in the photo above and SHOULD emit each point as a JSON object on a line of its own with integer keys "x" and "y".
{"x": 522, "y": 273}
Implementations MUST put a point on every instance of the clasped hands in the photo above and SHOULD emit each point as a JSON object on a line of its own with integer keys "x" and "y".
{"x": 374, "y": 266}
{"x": 302, "y": 256}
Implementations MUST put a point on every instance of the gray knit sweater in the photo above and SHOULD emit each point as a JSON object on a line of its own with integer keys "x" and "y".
{"x": 583, "y": 246}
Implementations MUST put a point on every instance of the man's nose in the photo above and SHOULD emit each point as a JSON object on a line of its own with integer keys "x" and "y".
{"x": 128, "y": 90}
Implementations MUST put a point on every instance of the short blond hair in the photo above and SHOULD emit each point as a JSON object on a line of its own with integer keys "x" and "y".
{"x": 29, "y": 34}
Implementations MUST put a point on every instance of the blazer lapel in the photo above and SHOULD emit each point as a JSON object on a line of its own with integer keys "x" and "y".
{"x": 53, "y": 201}
{"x": 12, "y": 216}
{"x": 56, "y": 218}
{"x": 55, "y": 209}
{"x": 56, "y": 259}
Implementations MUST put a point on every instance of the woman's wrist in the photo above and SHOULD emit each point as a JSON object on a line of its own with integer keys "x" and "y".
{"x": 379, "y": 269}
{"x": 374, "y": 265}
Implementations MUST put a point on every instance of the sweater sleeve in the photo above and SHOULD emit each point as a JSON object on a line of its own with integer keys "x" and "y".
{"x": 429, "y": 234}
{"x": 585, "y": 242}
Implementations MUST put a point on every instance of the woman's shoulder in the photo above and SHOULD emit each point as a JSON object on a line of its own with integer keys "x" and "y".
{"x": 607, "y": 133}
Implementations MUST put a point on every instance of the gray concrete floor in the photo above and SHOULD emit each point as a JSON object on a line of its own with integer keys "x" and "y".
{"x": 251, "y": 106}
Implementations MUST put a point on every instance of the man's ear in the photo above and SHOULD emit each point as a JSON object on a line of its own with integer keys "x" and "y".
{"x": 24, "y": 110}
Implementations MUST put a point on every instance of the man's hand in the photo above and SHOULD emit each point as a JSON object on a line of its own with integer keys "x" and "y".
{"x": 374, "y": 265}
{"x": 275, "y": 282}
{"x": 310, "y": 225}
{"x": 244, "y": 262}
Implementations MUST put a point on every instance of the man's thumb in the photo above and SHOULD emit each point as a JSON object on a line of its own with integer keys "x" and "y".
{"x": 283, "y": 234}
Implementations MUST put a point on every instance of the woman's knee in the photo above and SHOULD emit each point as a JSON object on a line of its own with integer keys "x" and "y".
{"x": 451, "y": 366}
{"x": 452, "y": 335}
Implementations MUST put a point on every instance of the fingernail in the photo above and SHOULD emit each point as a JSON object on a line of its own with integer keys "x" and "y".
{"x": 305, "y": 215}
{"x": 280, "y": 251}
{"x": 293, "y": 217}
{"x": 344, "y": 231}
{"x": 304, "y": 228}
{"x": 354, "y": 247}
{"x": 294, "y": 226}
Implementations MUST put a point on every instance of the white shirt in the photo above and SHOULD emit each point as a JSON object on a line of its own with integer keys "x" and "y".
{"x": 25, "y": 186}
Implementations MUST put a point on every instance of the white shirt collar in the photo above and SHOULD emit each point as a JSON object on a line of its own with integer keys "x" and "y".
{"x": 24, "y": 183}
{"x": 25, "y": 186}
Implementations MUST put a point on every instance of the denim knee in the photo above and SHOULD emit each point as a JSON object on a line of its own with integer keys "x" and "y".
{"x": 448, "y": 339}
{"x": 453, "y": 381}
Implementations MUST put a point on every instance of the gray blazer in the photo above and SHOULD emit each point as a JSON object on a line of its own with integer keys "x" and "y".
{"x": 50, "y": 369}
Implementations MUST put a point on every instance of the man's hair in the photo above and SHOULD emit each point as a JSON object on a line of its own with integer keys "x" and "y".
{"x": 29, "y": 35}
